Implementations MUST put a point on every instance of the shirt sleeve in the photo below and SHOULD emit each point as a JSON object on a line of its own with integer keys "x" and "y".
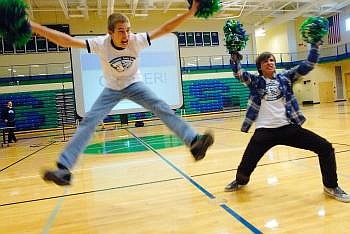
{"x": 142, "y": 40}
{"x": 95, "y": 44}
{"x": 246, "y": 78}
{"x": 304, "y": 67}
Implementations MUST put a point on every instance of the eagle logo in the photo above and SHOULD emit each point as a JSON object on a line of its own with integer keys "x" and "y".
{"x": 122, "y": 63}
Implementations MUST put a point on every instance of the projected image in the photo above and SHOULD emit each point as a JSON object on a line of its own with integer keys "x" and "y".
{"x": 159, "y": 65}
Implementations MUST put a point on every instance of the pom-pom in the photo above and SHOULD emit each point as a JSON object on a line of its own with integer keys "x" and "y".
{"x": 206, "y": 8}
{"x": 235, "y": 36}
{"x": 313, "y": 29}
{"x": 21, "y": 36}
{"x": 14, "y": 25}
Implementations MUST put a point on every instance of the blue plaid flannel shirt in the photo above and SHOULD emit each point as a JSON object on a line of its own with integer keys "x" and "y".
{"x": 257, "y": 87}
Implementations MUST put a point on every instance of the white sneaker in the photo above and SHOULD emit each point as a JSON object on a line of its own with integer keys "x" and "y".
{"x": 337, "y": 193}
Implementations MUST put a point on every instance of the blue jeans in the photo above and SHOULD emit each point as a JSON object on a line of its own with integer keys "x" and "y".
{"x": 140, "y": 94}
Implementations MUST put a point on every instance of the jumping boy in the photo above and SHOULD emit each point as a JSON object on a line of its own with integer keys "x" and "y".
{"x": 118, "y": 45}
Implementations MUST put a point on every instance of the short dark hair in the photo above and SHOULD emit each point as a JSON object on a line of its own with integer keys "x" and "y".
{"x": 262, "y": 57}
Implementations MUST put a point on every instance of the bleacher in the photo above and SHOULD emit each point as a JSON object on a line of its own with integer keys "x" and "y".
{"x": 214, "y": 95}
{"x": 39, "y": 109}
{"x": 34, "y": 110}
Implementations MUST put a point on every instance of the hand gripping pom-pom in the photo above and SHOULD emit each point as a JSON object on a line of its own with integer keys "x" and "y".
{"x": 14, "y": 25}
{"x": 313, "y": 29}
{"x": 207, "y": 8}
{"x": 235, "y": 61}
{"x": 235, "y": 36}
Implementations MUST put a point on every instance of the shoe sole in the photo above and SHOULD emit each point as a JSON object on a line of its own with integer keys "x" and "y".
{"x": 233, "y": 189}
{"x": 334, "y": 197}
{"x": 208, "y": 141}
{"x": 50, "y": 176}
{"x": 229, "y": 190}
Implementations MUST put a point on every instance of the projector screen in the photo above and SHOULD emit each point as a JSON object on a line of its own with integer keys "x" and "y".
{"x": 159, "y": 65}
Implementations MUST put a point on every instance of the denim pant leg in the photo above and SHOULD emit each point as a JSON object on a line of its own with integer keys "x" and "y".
{"x": 100, "y": 109}
{"x": 142, "y": 95}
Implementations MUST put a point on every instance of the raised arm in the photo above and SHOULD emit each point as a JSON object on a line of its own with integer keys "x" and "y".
{"x": 312, "y": 58}
{"x": 306, "y": 66}
{"x": 242, "y": 76}
{"x": 235, "y": 62}
{"x": 172, "y": 24}
{"x": 57, "y": 37}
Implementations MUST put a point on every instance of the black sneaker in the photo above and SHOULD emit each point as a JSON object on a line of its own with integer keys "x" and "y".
{"x": 200, "y": 146}
{"x": 337, "y": 193}
{"x": 60, "y": 176}
{"x": 233, "y": 186}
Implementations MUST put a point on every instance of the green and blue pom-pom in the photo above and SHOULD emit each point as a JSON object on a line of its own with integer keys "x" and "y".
{"x": 207, "y": 8}
{"x": 235, "y": 36}
{"x": 313, "y": 29}
{"x": 14, "y": 24}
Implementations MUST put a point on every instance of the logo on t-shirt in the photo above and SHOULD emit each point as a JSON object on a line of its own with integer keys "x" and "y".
{"x": 122, "y": 63}
{"x": 272, "y": 90}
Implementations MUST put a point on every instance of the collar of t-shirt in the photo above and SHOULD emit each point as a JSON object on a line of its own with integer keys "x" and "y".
{"x": 273, "y": 91}
{"x": 116, "y": 47}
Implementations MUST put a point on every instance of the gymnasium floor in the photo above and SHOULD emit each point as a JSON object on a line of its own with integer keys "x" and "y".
{"x": 143, "y": 180}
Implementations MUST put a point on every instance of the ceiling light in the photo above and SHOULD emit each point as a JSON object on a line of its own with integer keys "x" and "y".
{"x": 260, "y": 32}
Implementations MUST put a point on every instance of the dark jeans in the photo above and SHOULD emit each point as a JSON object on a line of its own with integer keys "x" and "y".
{"x": 289, "y": 135}
{"x": 11, "y": 134}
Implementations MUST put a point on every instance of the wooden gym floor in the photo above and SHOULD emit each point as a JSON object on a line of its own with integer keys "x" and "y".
{"x": 161, "y": 189}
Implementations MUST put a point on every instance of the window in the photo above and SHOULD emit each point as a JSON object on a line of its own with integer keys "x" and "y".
{"x": 182, "y": 38}
{"x": 347, "y": 24}
{"x": 190, "y": 38}
{"x": 207, "y": 38}
{"x": 198, "y": 38}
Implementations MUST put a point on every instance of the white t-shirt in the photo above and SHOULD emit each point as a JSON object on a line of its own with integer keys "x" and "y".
{"x": 272, "y": 113}
{"x": 120, "y": 67}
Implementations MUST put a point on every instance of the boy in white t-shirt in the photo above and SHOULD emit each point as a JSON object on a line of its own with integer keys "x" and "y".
{"x": 119, "y": 54}
{"x": 278, "y": 119}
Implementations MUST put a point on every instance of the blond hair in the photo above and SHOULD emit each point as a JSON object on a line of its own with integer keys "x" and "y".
{"x": 115, "y": 18}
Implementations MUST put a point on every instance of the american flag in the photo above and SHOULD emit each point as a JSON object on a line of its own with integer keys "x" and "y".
{"x": 334, "y": 29}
